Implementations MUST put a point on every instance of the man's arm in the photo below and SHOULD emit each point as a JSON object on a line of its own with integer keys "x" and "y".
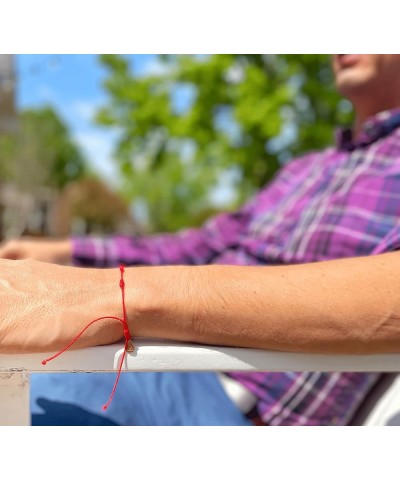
{"x": 48, "y": 250}
{"x": 193, "y": 246}
{"x": 340, "y": 306}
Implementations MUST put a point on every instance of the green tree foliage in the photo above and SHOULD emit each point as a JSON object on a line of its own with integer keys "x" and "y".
{"x": 7, "y": 153}
{"x": 41, "y": 153}
{"x": 244, "y": 115}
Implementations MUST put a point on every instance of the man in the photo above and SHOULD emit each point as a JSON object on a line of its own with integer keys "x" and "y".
{"x": 338, "y": 203}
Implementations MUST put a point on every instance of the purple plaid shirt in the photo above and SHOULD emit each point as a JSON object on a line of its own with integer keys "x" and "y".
{"x": 341, "y": 202}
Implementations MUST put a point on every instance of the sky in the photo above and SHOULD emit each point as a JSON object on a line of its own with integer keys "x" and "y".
{"x": 72, "y": 84}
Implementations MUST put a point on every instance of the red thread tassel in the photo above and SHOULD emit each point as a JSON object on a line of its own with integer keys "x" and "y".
{"x": 128, "y": 339}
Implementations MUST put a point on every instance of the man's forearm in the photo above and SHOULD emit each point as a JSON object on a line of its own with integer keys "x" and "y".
{"x": 350, "y": 305}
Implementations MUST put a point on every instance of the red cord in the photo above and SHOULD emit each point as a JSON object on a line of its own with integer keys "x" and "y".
{"x": 128, "y": 339}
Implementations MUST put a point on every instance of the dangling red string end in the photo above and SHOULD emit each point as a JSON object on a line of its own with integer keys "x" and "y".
{"x": 128, "y": 338}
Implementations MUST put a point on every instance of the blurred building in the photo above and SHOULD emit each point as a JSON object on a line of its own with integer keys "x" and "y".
{"x": 22, "y": 213}
{"x": 83, "y": 207}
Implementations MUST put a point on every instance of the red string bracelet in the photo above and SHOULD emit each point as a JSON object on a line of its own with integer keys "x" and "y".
{"x": 128, "y": 338}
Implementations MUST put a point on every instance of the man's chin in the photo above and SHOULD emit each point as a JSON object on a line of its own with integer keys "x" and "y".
{"x": 350, "y": 82}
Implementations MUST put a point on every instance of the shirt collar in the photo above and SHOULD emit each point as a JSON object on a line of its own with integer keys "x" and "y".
{"x": 374, "y": 128}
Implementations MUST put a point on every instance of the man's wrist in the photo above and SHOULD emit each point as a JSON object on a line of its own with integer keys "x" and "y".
{"x": 161, "y": 301}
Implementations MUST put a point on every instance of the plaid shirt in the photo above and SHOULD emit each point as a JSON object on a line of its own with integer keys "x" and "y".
{"x": 341, "y": 202}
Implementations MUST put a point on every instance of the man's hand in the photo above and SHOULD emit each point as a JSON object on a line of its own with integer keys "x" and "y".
{"x": 44, "y": 306}
{"x": 42, "y": 250}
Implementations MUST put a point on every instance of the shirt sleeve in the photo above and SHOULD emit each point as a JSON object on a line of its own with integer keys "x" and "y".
{"x": 195, "y": 246}
{"x": 390, "y": 242}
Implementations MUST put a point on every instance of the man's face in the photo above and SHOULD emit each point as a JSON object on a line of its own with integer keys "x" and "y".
{"x": 358, "y": 75}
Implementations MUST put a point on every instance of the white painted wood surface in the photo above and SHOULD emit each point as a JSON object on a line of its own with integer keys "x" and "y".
{"x": 14, "y": 397}
{"x": 156, "y": 355}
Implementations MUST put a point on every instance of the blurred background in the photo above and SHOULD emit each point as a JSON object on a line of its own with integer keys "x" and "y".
{"x": 137, "y": 144}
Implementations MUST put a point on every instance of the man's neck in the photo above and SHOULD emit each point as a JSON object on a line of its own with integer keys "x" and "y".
{"x": 363, "y": 112}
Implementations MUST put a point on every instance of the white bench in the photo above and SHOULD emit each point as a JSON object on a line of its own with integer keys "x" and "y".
{"x": 156, "y": 355}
